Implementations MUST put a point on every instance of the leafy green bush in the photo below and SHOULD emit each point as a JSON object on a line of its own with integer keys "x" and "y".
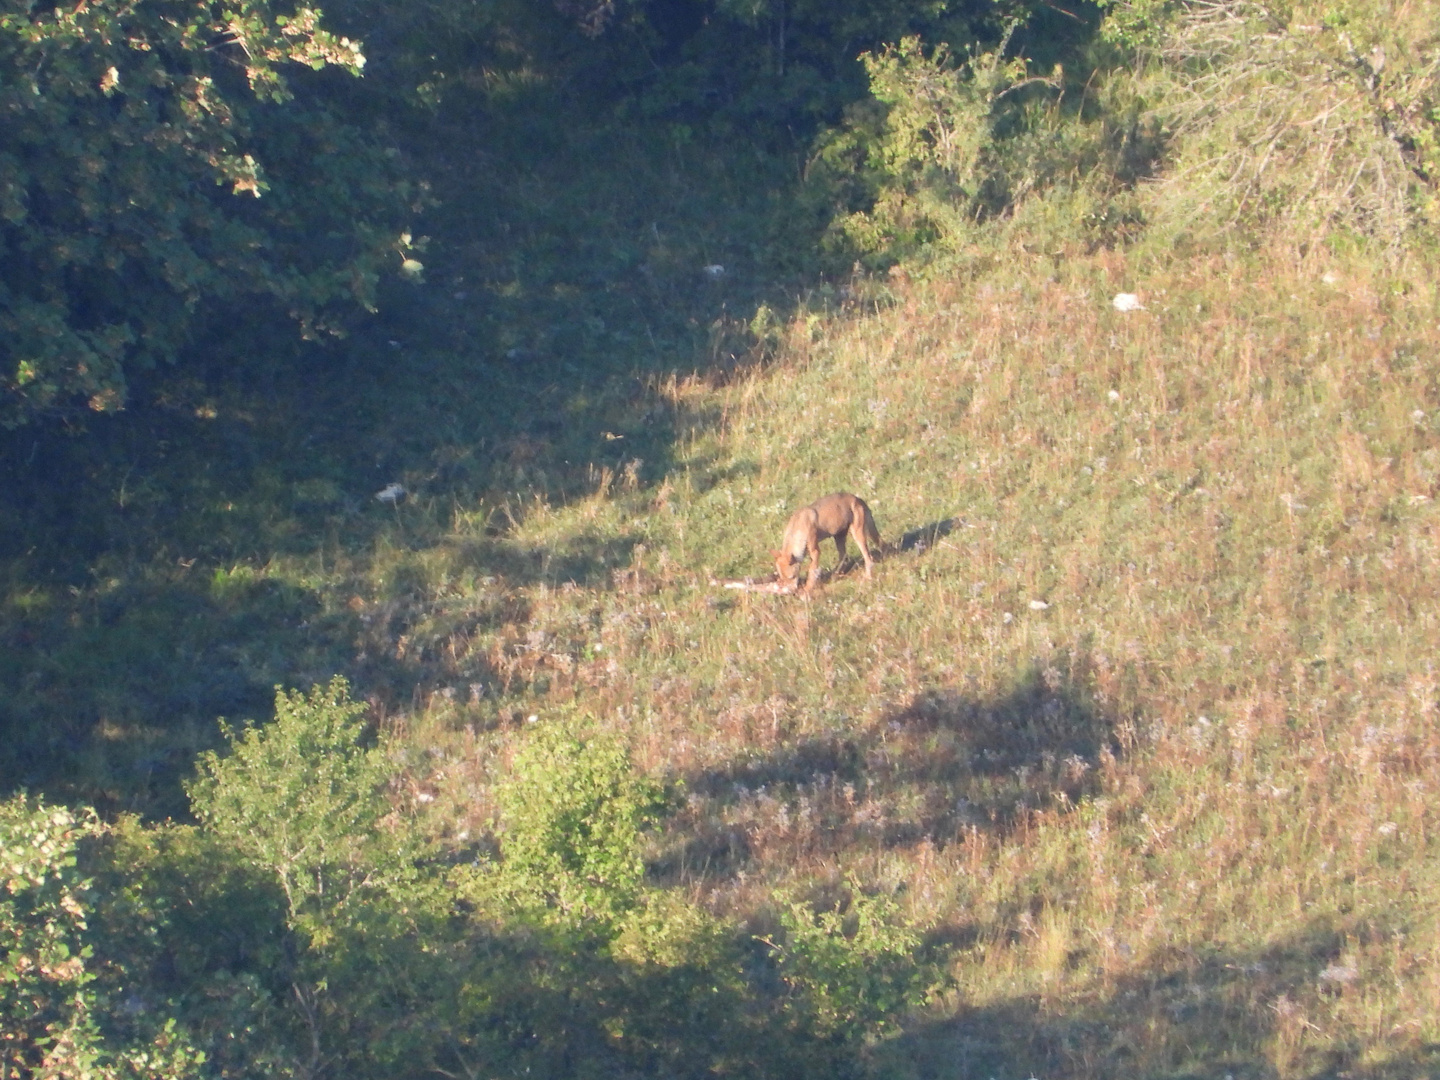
{"x": 1254, "y": 117}
{"x": 303, "y": 798}
{"x": 296, "y": 931}
{"x": 182, "y": 928}
{"x": 573, "y": 815}
{"x": 42, "y": 920}
{"x": 950, "y": 150}
{"x": 303, "y": 801}
{"x": 933, "y": 158}
{"x": 56, "y": 1017}
{"x": 855, "y": 968}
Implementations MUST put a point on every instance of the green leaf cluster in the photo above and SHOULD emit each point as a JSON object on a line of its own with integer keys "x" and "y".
{"x": 930, "y": 151}
{"x": 302, "y": 798}
{"x": 42, "y": 925}
{"x": 854, "y": 966}
{"x": 574, "y": 814}
{"x": 794, "y": 64}
{"x": 158, "y": 162}
{"x": 62, "y": 1013}
{"x": 950, "y": 148}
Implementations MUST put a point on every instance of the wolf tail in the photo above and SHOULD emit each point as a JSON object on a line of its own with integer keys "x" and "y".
{"x": 872, "y": 534}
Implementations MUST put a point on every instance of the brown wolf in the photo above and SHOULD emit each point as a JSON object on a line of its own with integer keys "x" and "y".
{"x": 835, "y": 516}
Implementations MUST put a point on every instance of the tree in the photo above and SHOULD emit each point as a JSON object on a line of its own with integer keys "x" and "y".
{"x": 155, "y": 162}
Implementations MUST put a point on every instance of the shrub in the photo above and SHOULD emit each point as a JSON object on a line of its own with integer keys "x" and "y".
{"x": 573, "y": 815}
{"x": 855, "y": 968}
{"x": 183, "y": 928}
{"x": 56, "y": 1019}
{"x": 303, "y": 801}
{"x": 928, "y": 153}
{"x": 951, "y": 148}
{"x": 303, "y": 798}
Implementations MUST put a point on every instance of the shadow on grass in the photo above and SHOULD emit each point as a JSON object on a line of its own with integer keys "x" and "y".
{"x": 112, "y": 692}
{"x": 983, "y": 761}
{"x": 926, "y": 536}
{"x": 538, "y": 363}
{"x": 945, "y": 762}
{"x": 587, "y": 558}
{"x": 108, "y": 696}
{"x": 1203, "y": 1015}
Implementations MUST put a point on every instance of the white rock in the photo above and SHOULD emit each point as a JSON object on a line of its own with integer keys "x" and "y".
{"x": 1127, "y": 301}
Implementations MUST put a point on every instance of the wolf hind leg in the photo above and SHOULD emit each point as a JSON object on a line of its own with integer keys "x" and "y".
{"x": 859, "y": 528}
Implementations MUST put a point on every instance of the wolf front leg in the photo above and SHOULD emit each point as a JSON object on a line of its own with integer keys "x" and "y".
{"x": 813, "y": 550}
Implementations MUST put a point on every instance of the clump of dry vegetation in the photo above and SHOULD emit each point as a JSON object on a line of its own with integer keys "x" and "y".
{"x": 1309, "y": 118}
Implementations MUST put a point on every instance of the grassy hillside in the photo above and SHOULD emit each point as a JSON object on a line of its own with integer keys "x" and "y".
{"x": 171, "y": 564}
{"x": 1135, "y": 727}
{"x": 1140, "y": 713}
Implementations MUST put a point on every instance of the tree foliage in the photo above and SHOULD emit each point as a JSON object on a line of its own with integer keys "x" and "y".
{"x": 156, "y": 160}
{"x": 854, "y": 967}
{"x": 796, "y": 64}
{"x": 951, "y": 148}
{"x": 58, "y": 1017}
{"x": 302, "y": 802}
{"x": 928, "y": 149}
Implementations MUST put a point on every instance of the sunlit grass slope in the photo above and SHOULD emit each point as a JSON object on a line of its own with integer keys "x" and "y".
{"x": 1139, "y": 710}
